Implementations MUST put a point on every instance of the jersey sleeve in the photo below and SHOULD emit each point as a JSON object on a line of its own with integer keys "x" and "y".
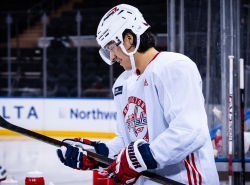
{"x": 178, "y": 86}
{"x": 116, "y": 144}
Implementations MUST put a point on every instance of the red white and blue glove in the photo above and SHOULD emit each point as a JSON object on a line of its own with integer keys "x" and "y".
{"x": 74, "y": 157}
{"x": 131, "y": 162}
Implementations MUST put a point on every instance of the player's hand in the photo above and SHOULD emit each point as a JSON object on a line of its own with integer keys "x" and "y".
{"x": 131, "y": 162}
{"x": 74, "y": 157}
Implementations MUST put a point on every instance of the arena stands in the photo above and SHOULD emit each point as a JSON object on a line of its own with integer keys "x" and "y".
{"x": 27, "y": 67}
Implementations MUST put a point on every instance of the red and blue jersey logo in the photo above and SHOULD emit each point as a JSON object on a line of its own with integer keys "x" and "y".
{"x": 136, "y": 119}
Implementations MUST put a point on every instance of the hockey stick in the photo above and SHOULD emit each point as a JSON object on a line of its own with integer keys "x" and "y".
{"x": 97, "y": 157}
{"x": 230, "y": 119}
{"x": 242, "y": 94}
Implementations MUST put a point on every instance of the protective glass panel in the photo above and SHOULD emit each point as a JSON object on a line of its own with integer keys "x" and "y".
{"x": 201, "y": 39}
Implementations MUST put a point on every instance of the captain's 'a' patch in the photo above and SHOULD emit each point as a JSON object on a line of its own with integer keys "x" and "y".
{"x": 118, "y": 90}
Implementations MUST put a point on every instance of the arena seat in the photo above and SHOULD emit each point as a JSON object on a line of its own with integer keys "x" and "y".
{"x": 90, "y": 80}
{"x": 106, "y": 81}
{"x": 90, "y": 68}
{"x": 63, "y": 80}
{"x": 73, "y": 92}
{"x": 62, "y": 92}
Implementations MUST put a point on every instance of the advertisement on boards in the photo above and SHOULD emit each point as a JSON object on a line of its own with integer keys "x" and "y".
{"x": 56, "y": 114}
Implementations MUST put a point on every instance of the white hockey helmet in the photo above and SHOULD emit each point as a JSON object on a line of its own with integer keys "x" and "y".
{"x": 113, "y": 24}
{"x": 3, "y": 173}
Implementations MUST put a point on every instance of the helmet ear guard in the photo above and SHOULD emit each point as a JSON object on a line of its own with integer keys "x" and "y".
{"x": 112, "y": 26}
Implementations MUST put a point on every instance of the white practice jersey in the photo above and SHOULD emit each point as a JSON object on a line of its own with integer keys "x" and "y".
{"x": 165, "y": 107}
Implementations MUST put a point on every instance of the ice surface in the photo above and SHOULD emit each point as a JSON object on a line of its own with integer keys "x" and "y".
{"x": 21, "y": 156}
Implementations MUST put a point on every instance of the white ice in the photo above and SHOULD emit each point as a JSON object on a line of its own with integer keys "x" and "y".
{"x": 20, "y": 156}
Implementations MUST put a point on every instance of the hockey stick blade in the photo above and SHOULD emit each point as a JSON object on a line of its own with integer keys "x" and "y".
{"x": 97, "y": 157}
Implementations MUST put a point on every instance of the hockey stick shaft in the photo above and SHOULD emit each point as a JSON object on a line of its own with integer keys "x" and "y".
{"x": 230, "y": 119}
{"x": 97, "y": 157}
{"x": 242, "y": 97}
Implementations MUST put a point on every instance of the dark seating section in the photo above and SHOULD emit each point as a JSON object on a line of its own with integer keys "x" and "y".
{"x": 92, "y": 13}
{"x": 26, "y": 67}
{"x": 18, "y": 10}
{"x": 62, "y": 75}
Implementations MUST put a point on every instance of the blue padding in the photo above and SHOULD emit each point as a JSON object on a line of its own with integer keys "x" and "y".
{"x": 68, "y": 162}
{"x": 236, "y": 160}
{"x": 117, "y": 180}
{"x": 247, "y": 115}
{"x": 239, "y": 160}
{"x": 81, "y": 156}
{"x": 111, "y": 176}
{"x": 214, "y": 130}
{"x": 69, "y": 151}
{"x": 74, "y": 153}
{"x": 221, "y": 160}
{"x": 147, "y": 156}
{"x": 74, "y": 163}
{"x": 247, "y": 160}
{"x": 102, "y": 149}
{"x": 81, "y": 164}
{"x": 60, "y": 155}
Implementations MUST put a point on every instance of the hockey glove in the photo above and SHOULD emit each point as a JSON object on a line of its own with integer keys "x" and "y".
{"x": 74, "y": 157}
{"x": 131, "y": 162}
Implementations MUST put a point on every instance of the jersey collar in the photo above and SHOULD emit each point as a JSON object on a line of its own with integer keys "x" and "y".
{"x": 137, "y": 70}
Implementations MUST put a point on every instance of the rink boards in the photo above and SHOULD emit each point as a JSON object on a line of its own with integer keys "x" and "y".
{"x": 73, "y": 117}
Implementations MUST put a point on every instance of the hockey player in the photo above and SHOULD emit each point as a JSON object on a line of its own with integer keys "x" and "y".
{"x": 161, "y": 120}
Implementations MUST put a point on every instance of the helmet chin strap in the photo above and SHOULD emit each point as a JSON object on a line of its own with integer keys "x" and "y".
{"x": 132, "y": 60}
{"x": 131, "y": 55}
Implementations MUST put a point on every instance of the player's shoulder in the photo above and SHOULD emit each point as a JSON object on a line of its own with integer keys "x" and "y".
{"x": 170, "y": 60}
